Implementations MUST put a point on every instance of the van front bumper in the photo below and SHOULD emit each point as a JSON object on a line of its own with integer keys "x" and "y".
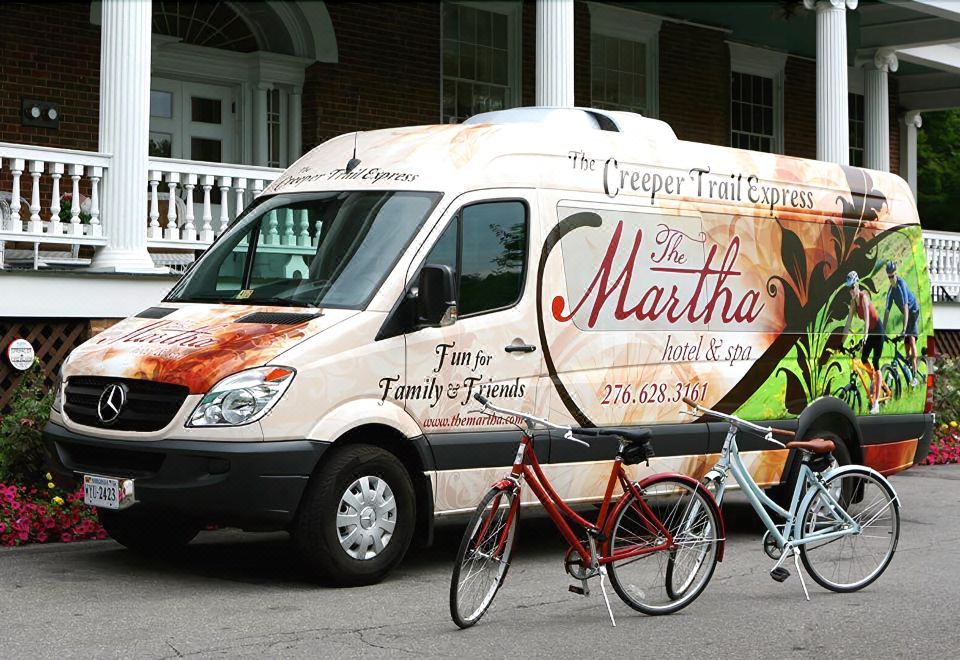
{"x": 252, "y": 485}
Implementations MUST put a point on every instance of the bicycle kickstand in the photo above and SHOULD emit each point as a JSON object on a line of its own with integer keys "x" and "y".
{"x": 603, "y": 590}
{"x": 779, "y": 573}
{"x": 803, "y": 583}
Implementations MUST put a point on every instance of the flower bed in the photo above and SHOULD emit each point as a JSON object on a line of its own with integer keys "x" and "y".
{"x": 945, "y": 446}
{"x": 45, "y": 514}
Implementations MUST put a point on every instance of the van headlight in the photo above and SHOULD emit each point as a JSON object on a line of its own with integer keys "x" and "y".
{"x": 243, "y": 397}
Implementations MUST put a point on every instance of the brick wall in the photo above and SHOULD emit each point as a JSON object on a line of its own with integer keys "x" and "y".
{"x": 695, "y": 83}
{"x": 800, "y": 108}
{"x": 390, "y": 55}
{"x": 50, "y": 52}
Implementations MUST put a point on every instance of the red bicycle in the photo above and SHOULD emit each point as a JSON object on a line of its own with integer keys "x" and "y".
{"x": 659, "y": 541}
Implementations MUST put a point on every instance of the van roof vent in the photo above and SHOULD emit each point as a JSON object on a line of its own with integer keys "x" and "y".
{"x": 566, "y": 119}
{"x": 278, "y": 318}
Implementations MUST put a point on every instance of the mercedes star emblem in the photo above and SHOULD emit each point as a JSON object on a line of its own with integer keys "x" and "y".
{"x": 111, "y": 402}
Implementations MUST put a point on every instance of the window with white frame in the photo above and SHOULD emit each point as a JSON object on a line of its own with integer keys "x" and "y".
{"x": 756, "y": 98}
{"x": 623, "y": 59}
{"x": 480, "y": 58}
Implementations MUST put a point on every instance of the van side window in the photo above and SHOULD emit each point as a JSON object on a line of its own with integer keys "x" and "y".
{"x": 486, "y": 245}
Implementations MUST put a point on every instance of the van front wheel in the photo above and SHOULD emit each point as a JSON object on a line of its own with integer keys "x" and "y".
{"x": 357, "y": 517}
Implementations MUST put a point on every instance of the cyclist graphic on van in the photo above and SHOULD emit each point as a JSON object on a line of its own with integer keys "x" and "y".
{"x": 862, "y": 305}
{"x": 900, "y": 295}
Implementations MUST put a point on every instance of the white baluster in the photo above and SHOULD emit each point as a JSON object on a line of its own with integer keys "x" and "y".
{"x": 225, "y": 183}
{"x": 189, "y": 230}
{"x": 16, "y": 169}
{"x": 76, "y": 228}
{"x": 36, "y": 225}
{"x": 95, "y": 174}
{"x": 289, "y": 236}
{"x": 172, "y": 233}
{"x": 273, "y": 236}
{"x": 240, "y": 186}
{"x": 56, "y": 171}
{"x": 303, "y": 238}
{"x": 155, "y": 230}
{"x": 257, "y": 187}
{"x": 317, "y": 226}
{"x": 206, "y": 231}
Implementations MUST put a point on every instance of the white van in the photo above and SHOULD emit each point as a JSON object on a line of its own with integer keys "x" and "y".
{"x": 314, "y": 370}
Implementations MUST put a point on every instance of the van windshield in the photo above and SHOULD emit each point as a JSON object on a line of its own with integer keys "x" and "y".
{"x": 308, "y": 250}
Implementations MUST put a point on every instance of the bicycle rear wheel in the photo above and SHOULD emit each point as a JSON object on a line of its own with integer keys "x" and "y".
{"x": 484, "y": 556}
{"x": 852, "y": 562}
{"x": 666, "y": 580}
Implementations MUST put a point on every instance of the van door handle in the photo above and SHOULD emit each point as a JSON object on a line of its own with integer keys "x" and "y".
{"x": 519, "y": 348}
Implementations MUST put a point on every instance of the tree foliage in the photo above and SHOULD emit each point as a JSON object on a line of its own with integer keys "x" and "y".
{"x": 938, "y": 170}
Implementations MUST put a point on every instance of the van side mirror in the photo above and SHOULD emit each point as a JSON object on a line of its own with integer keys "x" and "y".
{"x": 436, "y": 306}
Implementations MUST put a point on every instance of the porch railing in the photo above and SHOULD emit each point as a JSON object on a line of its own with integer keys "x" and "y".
{"x": 50, "y": 205}
{"x": 943, "y": 262}
{"x": 50, "y": 197}
{"x": 206, "y": 198}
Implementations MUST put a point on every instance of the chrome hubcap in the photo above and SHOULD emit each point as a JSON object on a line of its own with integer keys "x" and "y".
{"x": 366, "y": 517}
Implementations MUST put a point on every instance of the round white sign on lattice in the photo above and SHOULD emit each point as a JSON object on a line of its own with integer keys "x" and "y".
{"x": 20, "y": 353}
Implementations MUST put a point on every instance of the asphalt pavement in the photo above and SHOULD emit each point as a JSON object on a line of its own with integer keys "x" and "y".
{"x": 232, "y": 594}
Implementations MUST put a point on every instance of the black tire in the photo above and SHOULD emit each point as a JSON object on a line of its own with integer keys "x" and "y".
{"x": 665, "y": 581}
{"x": 148, "y": 531}
{"x": 487, "y": 547}
{"x": 356, "y": 518}
{"x": 850, "y": 396}
{"x": 852, "y": 562}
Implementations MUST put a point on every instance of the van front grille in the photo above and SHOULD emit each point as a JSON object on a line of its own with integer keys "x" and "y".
{"x": 147, "y": 405}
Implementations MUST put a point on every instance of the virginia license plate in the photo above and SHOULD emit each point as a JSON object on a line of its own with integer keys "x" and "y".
{"x": 107, "y": 492}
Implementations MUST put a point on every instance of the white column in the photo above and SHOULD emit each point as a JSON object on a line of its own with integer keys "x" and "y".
{"x": 260, "y": 144}
{"x": 909, "y": 124}
{"x": 876, "y": 125}
{"x": 833, "y": 114}
{"x": 555, "y": 53}
{"x": 124, "y": 130}
{"x": 295, "y": 124}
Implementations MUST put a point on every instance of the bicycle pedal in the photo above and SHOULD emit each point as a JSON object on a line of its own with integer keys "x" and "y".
{"x": 579, "y": 590}
{"x": 779, "y": 574}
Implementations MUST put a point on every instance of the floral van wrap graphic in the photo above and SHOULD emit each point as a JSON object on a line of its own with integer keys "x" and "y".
{"x": 193, "y": 346}
{"x": 729, "y": 288}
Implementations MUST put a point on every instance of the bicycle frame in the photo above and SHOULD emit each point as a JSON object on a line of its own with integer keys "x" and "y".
{"x": 730, "y": 461}
{"x": 527, "y": 467}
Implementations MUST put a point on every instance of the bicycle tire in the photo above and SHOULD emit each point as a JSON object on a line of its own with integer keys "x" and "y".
{"x": 850, "y": 396}
{"x": 892, "y": 378}
{"x": 870, "y": 500}
{"x": 487, "y": 544}
{"x": 665, "y": 581}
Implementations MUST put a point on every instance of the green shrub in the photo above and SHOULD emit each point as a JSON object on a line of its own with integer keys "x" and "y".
{"x": 946, "y": 392}
{"x": 22, "y": 454}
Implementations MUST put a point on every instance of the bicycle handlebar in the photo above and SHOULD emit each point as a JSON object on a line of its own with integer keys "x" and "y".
{"x": 767, "y": 431}
{"x": 533, "y": 421}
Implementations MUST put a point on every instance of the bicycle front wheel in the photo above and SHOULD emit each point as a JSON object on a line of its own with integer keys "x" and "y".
{"x": 484, "y": 556}
{"x": 652, "y": 577}
{"x": 851, "y": 562}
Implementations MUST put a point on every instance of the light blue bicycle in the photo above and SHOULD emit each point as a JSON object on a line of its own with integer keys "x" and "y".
{"x": 843, "y": 523}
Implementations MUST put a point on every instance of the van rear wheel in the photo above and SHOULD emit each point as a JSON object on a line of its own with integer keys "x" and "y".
{"x": 357, "y": 517}
{"x": 148, "y": 532}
